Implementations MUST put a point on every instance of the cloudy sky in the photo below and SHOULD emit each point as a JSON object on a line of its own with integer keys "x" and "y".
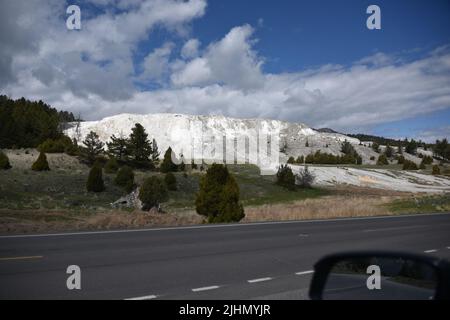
{"x": 308, "y": 61}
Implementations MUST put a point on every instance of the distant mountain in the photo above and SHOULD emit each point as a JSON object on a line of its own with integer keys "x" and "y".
{"x": 326, "y": 130}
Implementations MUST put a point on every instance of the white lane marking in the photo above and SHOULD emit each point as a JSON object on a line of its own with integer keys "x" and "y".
{"x": 205, "y": 288}
{"x": 304, "y": 272}
{"x": 430, "y": 251}
{"x": 259, "y": 280}
{"x": 143, "y": 298}
{"x": 220, "y": 226}
{"x": 21, "y": 258}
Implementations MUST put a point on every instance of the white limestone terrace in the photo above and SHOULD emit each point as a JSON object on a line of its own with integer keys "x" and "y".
{"x": 182, "y": 131}
{"x": 386, "y": 179}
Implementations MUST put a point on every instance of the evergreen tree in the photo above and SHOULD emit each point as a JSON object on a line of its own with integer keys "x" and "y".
{"x": 93, "y": 147}
{"x": 41, "y": 163}
{"x": 171, "y": 181}
{"x": 389, "y": 152}
{"x": 442, "y": 149}
{"x": 140, "y": 148}
{"x": 218, "y": 197}
{"x": 285, "y": 177}
{"x": 4, "y": 161}
{"x": 291, "y": 160}
{"x": 117, "y": 148}
{"x": 411, "y": 147}
{"x": 111, "y": 165}
{"x": 95, "y": 179}
{"x": 152, "y": 192}
{"x": 125, "y": 178}
{"x": 382, "y": 160}
{"x": 193, "y": 165}
{"x": 168, "y": 165}
{"x": 155, "y": 152}
{"x": 376, "y": 147}
{"x": 436, "y": 170}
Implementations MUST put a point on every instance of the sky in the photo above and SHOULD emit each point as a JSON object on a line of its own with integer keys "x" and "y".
{"x": 311, "y": 61}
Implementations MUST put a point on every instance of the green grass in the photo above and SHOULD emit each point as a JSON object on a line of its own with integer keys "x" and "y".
{"x": 56, "y": 189}
{"x": 426, "y": 204}
{"x": 66, "y": 190}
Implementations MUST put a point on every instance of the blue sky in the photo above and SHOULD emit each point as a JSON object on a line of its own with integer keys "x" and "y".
{"x": 308, "y": 61}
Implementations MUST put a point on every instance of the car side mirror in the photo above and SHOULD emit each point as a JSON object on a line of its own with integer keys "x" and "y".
{"x": 380, "y": 276}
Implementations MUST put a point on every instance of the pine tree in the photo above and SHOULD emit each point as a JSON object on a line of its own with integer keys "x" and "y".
{"x": 93, "y": 147}
{"x": 41, "y": 163}
{"x": 382, "y": 160}
{"x": 218, "y": 197}
{"x": 155, "y": 152}
{"x": 4, "y": 161}
{"x": 117, "y": 148}
{"x": 171, "y": 181}
{"x": 125, "y": 178}
{"x": 436, "y": 170}
{"x": 152, "y": 192}
{"x": 111, "y": 165}
{"x": 285, "y": 177}
{"x": 389, "y": 152}
{"x": 168, "y": 165}
{"x": 139, "y": 147}
{"x": 95, "y": 180}
{"x": 411, "y": 147}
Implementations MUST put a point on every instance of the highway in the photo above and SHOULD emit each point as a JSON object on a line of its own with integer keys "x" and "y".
{"x": 234, "y": 261}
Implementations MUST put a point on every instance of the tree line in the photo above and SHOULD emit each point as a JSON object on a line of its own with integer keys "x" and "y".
{"x": 26, "y": 124}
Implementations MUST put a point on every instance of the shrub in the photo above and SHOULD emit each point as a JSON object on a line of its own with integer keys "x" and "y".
{"x": 401, "y": 160}
{"x": 111, "y": 165}
{"x": 300, "y": 159}
{"x": 152, "y": 192}
{"x": 95, "y": 180}
{"x": 41, "y": 163}
{"x": 304, "y": 178}
{"x": 285, "y": 177}
{"x": 218, "y": 197}
{"x": 125, "y": 178}
{"x": 376, "y": 147}
{"x": 4, "y": 161}
{"x": 382, "y": 160}
{"x": 291, "y": 160}
{"x": 427, "y": 159}
{"x": 389, "y": 152}
{"x": 409, "y": 165}
{"x": 63, "y": 144}
{"x": 436, "y": 170}
{"x": 171, "y": 181}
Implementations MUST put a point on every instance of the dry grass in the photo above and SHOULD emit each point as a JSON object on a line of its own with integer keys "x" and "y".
{"x": 38, "y": 221}
{"x": 322, "y": 208}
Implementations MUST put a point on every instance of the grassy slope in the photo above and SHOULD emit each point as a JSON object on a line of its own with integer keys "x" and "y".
{"x": 65, "y": 190}
{"x": 425, "y": 204}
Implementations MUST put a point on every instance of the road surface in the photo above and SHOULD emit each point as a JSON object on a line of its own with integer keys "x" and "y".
{"x": 241, "y": 261}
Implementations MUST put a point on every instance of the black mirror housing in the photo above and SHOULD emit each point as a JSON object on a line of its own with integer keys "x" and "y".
{"x": 332, "y": 271}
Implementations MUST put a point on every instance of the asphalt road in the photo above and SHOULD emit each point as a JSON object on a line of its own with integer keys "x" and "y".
{"x": 251, "y": 261}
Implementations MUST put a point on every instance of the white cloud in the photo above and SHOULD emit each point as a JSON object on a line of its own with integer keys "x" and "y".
{"x": 156, "y": 64}
{"x": 190, "y": 49}
{"x": 93, "y": 72}
{"x": 230, "y": 61}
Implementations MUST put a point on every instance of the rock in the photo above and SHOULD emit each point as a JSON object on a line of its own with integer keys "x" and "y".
{"x": 131, "y": 200}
